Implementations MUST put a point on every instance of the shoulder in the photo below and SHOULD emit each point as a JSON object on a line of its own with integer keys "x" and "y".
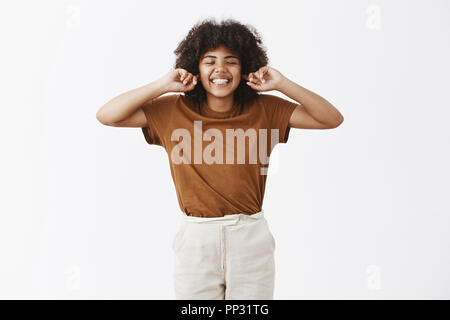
{"x": 162, "y": 102}
{"x": 160, "y": 107}
{"x": 167, "y": 98}
{"x": 273, "y": 104}
{"x": 271, "y": 99}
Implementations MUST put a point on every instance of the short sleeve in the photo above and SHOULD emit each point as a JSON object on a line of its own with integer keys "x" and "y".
{"x": 151, "y": 136}
{"x": 279, "y": 112}
{"x": 156, "y": 113}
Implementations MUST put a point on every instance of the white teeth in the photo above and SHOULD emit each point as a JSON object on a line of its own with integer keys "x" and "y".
{"x": 220, "y": 81}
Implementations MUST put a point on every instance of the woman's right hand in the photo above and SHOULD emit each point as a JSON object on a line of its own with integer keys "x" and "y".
{"x": 179, "y": 80}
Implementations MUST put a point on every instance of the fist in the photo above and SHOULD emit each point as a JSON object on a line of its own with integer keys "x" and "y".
{"x": 180, "y": 80}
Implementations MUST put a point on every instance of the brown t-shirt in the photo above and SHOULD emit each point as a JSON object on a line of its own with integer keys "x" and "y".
{"x": 218, "y": 160}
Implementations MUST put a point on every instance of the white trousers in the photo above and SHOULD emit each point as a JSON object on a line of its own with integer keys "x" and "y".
{"x": 230, "y": 257}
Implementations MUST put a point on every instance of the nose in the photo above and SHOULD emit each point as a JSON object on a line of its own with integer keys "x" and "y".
{"x": 220, "y": 71}
{"x": 221, "y": 65}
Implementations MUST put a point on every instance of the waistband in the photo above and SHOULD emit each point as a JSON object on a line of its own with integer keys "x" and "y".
{"x": 227, "y": 219}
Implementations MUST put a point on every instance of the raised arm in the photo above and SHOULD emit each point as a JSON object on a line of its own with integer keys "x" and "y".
{"x": 125, "y": 109}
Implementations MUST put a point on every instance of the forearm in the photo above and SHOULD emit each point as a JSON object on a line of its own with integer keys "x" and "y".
{"x": 319, "y": 108}
{"x": 125, "y": 104}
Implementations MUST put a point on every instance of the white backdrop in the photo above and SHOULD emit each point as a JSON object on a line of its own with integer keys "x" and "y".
{"x": 360, "y": 211}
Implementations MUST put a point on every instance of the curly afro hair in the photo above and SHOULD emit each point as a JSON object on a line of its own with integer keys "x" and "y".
{"x": 240, "y": 39}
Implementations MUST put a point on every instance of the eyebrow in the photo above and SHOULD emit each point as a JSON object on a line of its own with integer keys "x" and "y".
{"x": 216, "y": 57}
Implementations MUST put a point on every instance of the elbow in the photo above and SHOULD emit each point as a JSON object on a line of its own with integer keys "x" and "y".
{"x": 101, "y": 118}
{"x": 338, "y": 122}
{"x": 341, "y": 120}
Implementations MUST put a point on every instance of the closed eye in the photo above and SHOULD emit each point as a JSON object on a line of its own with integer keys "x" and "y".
{"x": 228, "y": 63}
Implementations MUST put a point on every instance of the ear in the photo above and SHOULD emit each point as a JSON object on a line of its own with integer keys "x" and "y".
{"x": 244, "y": 76}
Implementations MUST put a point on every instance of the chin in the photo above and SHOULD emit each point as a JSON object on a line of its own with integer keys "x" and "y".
{"x": 221, "y": 91}
{"x": 221, "y": 94}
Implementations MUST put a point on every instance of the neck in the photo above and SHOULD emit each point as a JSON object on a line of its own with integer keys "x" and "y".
{"x": 220, "y": 104}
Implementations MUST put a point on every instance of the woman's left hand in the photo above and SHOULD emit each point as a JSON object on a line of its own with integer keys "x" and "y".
{"x": 265, "y": 79}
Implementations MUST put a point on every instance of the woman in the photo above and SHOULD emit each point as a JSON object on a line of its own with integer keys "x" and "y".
{"x": 219, "y": 135}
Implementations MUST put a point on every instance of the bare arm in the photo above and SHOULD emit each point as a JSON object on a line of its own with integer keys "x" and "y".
{"x": 128, "y": 104}
{"x": 315, "y": 112}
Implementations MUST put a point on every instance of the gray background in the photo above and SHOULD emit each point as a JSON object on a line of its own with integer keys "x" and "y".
{"x": 360, "y": 211}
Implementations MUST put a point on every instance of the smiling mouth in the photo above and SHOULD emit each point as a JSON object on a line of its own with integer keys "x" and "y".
{"x": 220, "y": 84}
